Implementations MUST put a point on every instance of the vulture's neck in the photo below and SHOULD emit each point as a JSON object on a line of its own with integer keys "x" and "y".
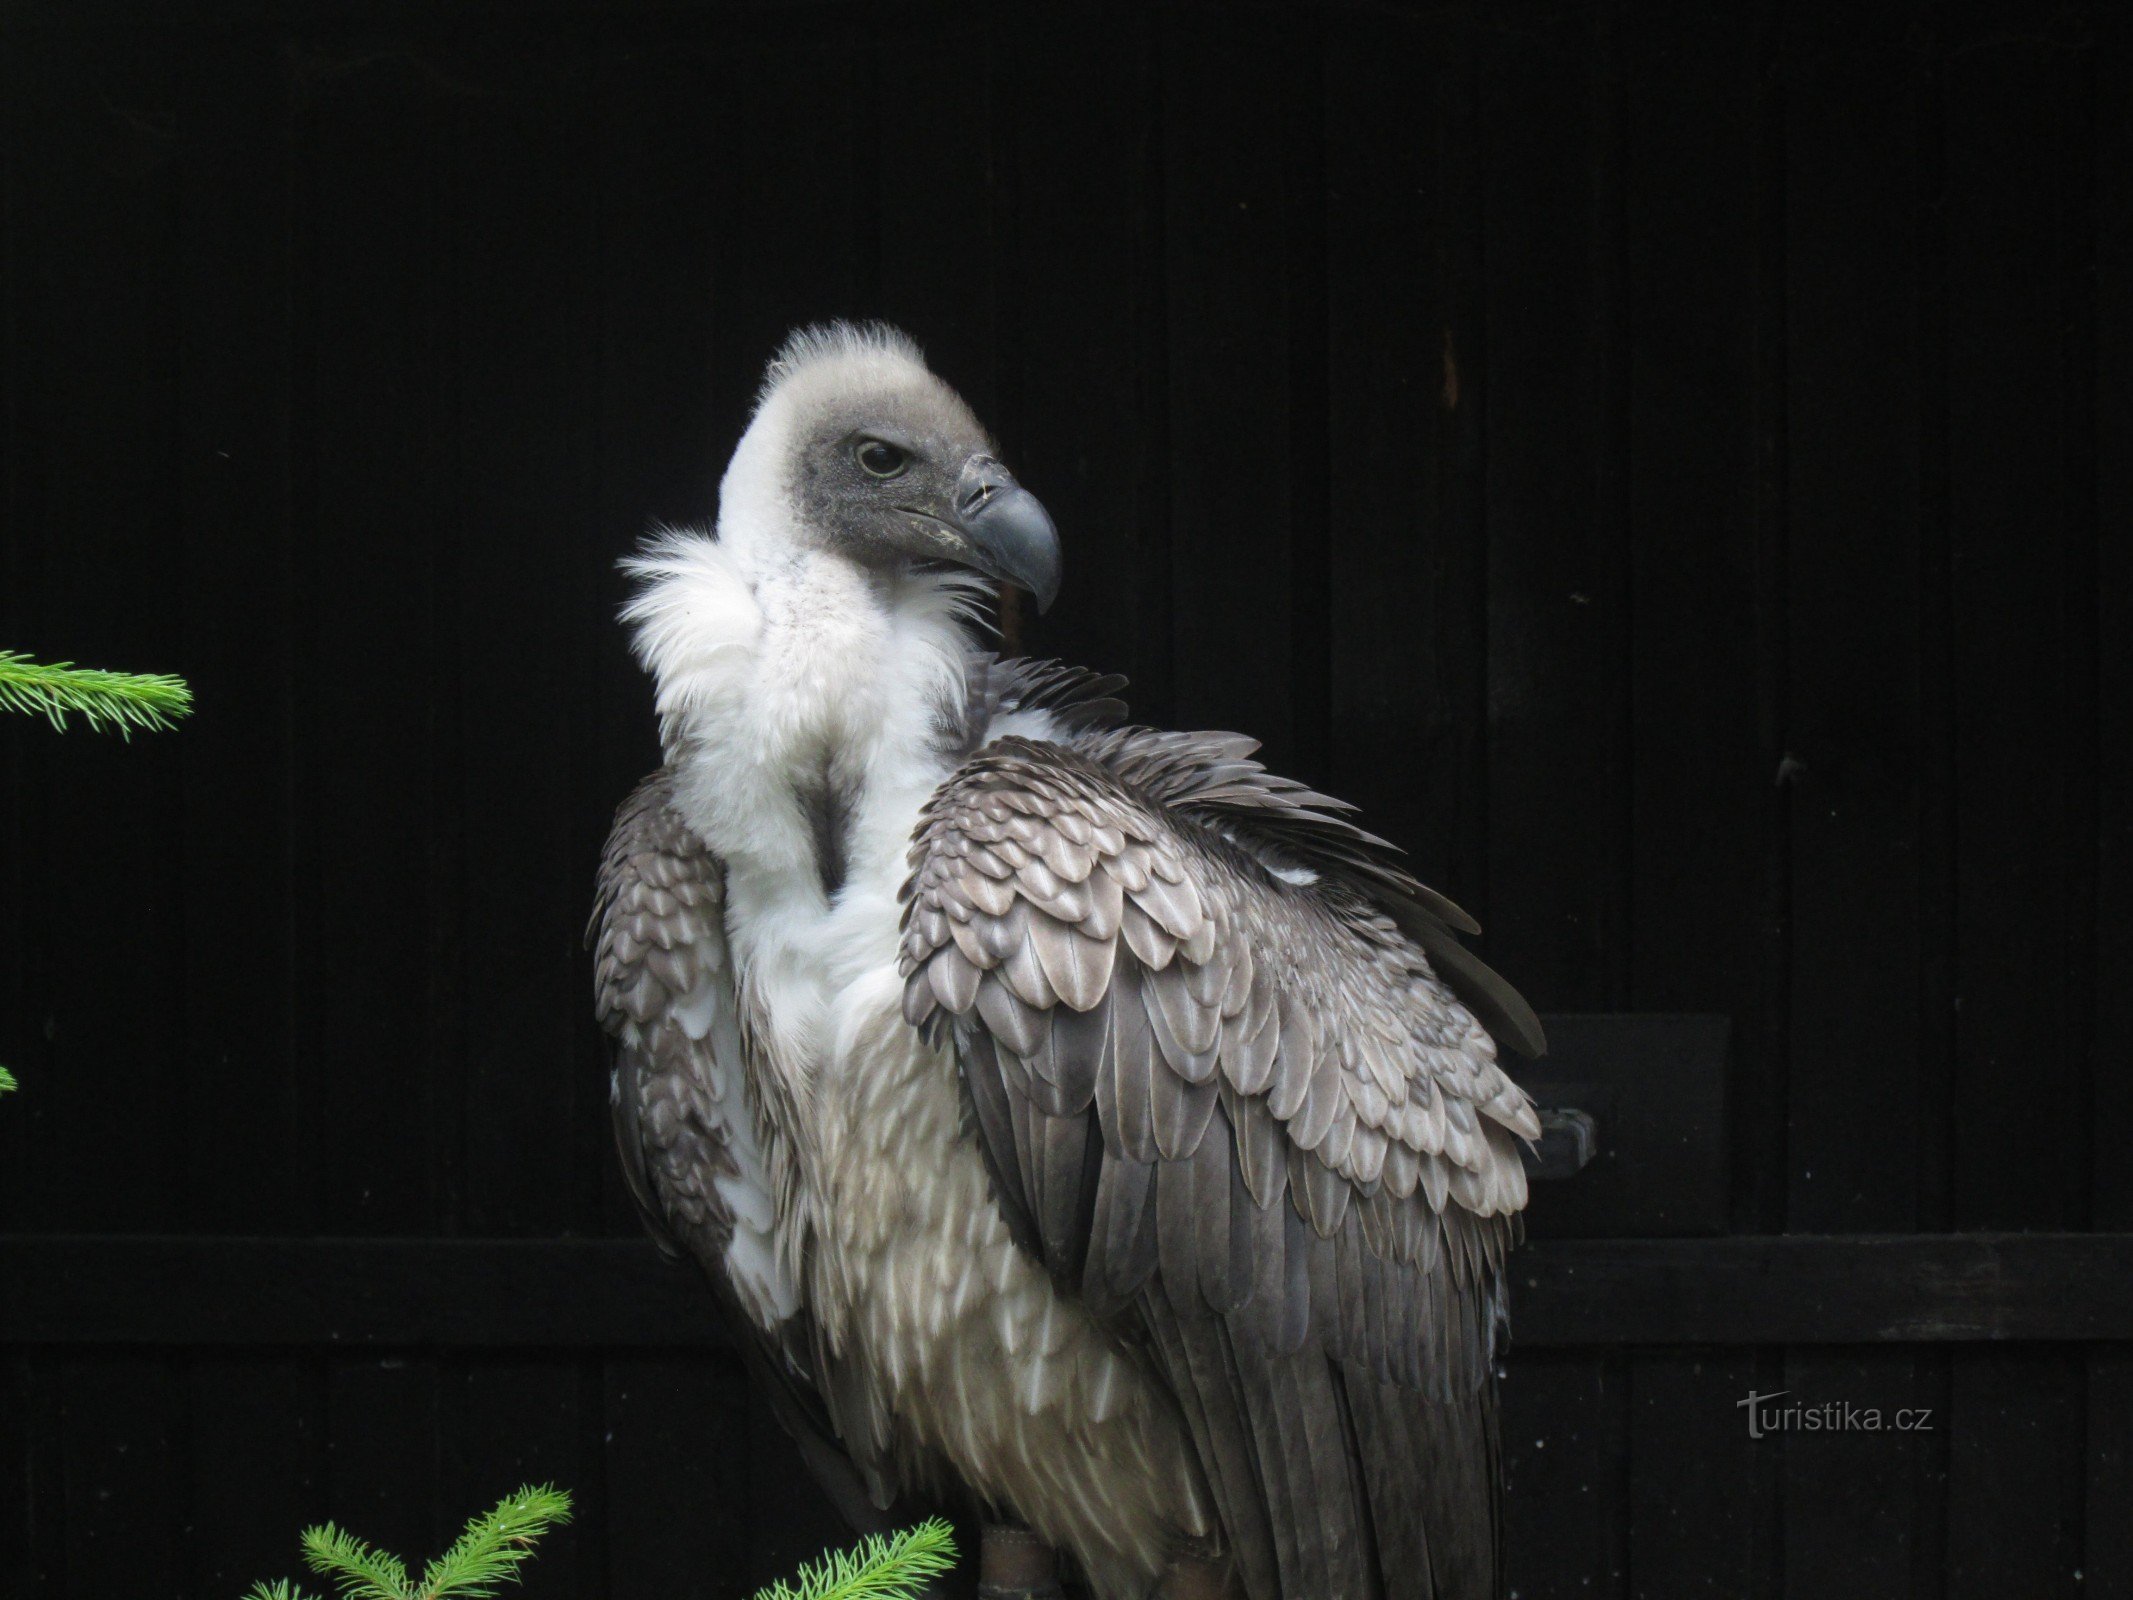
{"x": 803, "y": 702}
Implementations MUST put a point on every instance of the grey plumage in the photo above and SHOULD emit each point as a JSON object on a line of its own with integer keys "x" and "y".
{"x": 658, "y": 941}
{"x": 1308, "y": 1176}
{"x": 680, "y": 1107}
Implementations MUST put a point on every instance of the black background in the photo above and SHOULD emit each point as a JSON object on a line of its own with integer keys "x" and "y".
{"x": 1668, "y": 463}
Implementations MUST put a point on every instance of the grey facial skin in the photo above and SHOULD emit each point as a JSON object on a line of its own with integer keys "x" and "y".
{"x": 911, "y": 477}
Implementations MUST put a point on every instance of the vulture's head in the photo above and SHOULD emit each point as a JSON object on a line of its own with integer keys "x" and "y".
{"x": 857, "y": 448}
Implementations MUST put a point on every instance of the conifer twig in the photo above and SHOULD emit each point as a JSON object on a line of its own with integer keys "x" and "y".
{"x": 363, "y": 1571}
{"x": 494, "y": 1545}
{"x": 498, "y": 1541}
{"x": 7, "y": 1080}
{"x": 895, "y": 1568}
{"x": 486, "y": 1555}
{"x": 115, "y": 701}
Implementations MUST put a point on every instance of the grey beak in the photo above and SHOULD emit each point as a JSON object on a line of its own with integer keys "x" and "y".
{"x": 1011, "y": 534}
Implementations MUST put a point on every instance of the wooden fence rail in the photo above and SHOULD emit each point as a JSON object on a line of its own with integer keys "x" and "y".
{"x": 617, "y": 1294}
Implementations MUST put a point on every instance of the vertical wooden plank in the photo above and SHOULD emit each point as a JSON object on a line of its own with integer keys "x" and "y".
{"x": 1852, "y": 736}
{"x": 938, "y": 194}
{"x": 1405, "y": 367}
{"x": 658, "y": 462}
{"x": 382, "y": 1451}
{"x": 1564, "y": 1445}
{"x": 661, "y": 193}
{"x": 2107, "y": 1542}
{"x": 1852, "y": 1495}
{"x": 374, "y": 862}
{"x": 1935, "y": 1387}
{"x": 2020, "y": 467}
{"x": 251, "y": 1421}
{"x": 255, "y": 1439}
{"x": 1696, "y": 1523}
{"x": 1853, "y": 602}
{"x": 123, "y": 1476}
{"x": 18, "y": 1477}
{"x": 2016, "y": 183}
{"x": 678, "y": 1469}
{"x": 1705, "y": 638}
{"x": 1703, "y": 916}
{"x": 1232, "y": 84}
{"x": 523, "y": 243}
{"x": 1306, "y": 227}
{"x": 373, "y": 670}
{"x": 97, "y": 526}
{"x": 45, "y": 1555}
{"x": 2016, "y": 1474}
{"x": 2111, "y": 1199}
{"x": 1081, "y": 344}
{"x": 1939, "y": 982}
{"x": 1558, "y": 735}
{"x": 246, "y": 1168}
{"x": 21, "y": 799}
{"x": 798, "y": 230}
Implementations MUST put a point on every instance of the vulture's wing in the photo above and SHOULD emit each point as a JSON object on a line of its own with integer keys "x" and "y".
{"x": 1229, "y": 1101}
{"x": 663, "y": 989}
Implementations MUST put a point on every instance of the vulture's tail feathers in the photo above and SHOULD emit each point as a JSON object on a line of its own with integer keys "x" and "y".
{"x": 1448, "y": 1545}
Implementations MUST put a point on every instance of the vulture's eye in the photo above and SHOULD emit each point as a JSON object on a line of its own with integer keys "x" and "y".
{"x": 882, "y": 459}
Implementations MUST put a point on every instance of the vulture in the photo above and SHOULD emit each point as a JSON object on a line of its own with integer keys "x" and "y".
{"x": 1078, "y": 1123}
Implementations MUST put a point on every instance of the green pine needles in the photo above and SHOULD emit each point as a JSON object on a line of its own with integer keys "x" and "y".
{"x": 480, "y": 1561}
{"x": 7, "y": 1080}
{"x": 893, "y": 1568}
{"x": 500, "y": 1540}
{"x": 116, "y": 702}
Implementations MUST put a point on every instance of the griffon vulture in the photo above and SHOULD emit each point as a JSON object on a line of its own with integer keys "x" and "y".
{"x": 1075, "y": 1118}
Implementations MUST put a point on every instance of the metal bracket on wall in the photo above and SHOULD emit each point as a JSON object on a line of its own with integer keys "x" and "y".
{"x": 1569, "y": 1140}
{"x": 1633, "y": 1106}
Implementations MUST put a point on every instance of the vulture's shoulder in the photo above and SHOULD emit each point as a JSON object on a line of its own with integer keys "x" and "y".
{"x": 1009, "y": 695}
{"x": 1061, "y": 732}
{"x": 662, "y": 991}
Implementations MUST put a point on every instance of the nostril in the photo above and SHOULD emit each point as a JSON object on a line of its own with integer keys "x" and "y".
{"x": 982, "y": 479}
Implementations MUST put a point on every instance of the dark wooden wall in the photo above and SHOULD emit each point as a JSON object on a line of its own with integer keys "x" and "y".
{"x": 1669, "y": 463}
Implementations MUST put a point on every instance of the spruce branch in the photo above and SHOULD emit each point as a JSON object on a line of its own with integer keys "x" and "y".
{"x": 895, "y": 1568}
{"x": 485, "y": 1556}
{"x": 114, "y": 701}
{"x": 7, "y": 1081}
{"x": 362, "y": 1571}
{"x": 494, "y": 1545}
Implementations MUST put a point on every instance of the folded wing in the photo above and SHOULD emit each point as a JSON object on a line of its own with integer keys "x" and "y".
{"x": 1231, "y": 1101}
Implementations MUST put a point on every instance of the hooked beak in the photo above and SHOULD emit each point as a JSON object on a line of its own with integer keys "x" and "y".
{"x": 1009, "y": 532}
